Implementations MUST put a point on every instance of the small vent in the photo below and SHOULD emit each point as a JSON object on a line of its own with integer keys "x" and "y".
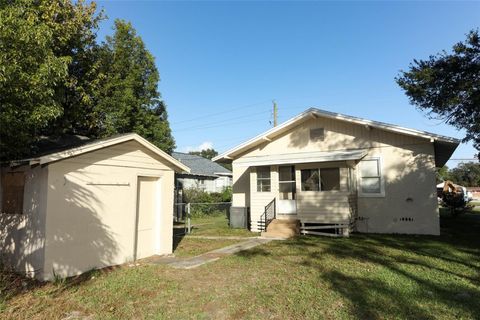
{"x": 408, "y": 219}
{"x": 317, "y": 134}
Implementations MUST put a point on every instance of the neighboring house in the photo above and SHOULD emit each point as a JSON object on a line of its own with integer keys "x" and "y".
{"x": 475, "y": 192}
{"x": 204, "y": 174}
{"x": 327, "y": 169}
{"x": 100, "y": 203}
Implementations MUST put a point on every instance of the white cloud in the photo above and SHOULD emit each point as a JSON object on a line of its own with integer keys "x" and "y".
{"x": 200, "y": 147}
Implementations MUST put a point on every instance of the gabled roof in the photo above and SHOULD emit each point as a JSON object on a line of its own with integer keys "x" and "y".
{"x": 444, "y": 146}
{"x": 83, "y": 146}
{"x": 201, "y": 166}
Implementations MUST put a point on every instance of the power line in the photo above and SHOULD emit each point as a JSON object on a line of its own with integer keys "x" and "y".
{"x": 221, "y": 112}
{"x": 221, "y": 125}
{"x": 223, "y": 121}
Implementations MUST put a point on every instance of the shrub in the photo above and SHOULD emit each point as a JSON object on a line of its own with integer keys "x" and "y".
{"x": 206, "y": 204}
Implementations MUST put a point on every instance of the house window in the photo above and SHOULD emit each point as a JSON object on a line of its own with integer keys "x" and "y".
{"x": 12, "y": 192}
{"x": 263, "y": 179}
{"x": 370, "y": 181}
{"x": 326, "y": 179}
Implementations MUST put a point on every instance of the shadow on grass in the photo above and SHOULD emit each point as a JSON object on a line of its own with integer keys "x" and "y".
{"x": 178, "y": 235}
{"x": 395, "y": 276}
{"x": 13, "y": 284}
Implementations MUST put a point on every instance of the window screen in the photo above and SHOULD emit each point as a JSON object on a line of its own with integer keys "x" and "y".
{"x": 330, "y": 179}
{"x": 326, "y": 179}
{"x": 310, "y": 180}
{"x": 263, "y": 179}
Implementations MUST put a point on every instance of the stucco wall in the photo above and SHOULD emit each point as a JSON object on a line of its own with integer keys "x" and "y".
{"x": 408, "y": 171}
{"x": 410, "y": 201}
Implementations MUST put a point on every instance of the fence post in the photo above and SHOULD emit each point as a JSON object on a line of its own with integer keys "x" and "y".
{"x": 188, "y": 218}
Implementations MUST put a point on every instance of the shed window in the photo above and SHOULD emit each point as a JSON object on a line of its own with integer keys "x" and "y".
{"x": 263, "y": 179}
{"x": 326, "y": 179}
{"x": 371, "y": 177}
{"x": 12, "y": 193}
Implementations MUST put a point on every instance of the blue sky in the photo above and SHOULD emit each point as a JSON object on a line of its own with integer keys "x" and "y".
{"x": 222, "y": 63}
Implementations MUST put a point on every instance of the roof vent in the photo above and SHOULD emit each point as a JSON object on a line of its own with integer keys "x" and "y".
{"x": 317, "y": 134}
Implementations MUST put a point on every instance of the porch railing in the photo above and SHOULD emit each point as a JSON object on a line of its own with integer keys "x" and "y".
{"x": 270, "y": 213}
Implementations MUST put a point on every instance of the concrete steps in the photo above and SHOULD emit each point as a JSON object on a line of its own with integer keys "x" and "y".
{"x": 280, "y": 228}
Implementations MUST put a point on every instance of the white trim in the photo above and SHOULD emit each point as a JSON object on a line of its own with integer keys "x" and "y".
{"x": 103, "y": 143}
{"x": 314, "y": 112}
{"x": 303, "y": 157}
{"x": 382, "y": 179}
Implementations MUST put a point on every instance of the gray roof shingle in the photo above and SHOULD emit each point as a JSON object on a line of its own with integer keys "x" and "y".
{"x": 199, "y": 165}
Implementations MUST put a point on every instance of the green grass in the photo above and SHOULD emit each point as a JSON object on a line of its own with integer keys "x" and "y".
{"x": 189, "y": 247}
{"x": 217, "y": 226}
{"x": 361, "y": 277}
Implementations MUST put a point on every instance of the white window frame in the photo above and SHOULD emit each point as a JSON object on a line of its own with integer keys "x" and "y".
{"x": 381, "y": 194}
{"x": 264, "y": 179}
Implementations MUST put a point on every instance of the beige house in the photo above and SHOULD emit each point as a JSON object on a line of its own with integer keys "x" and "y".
{"x": 329, "y": 173}
{"x": 99, "y": 204}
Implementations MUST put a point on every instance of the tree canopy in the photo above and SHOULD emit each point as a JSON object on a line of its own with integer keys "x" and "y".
{"x": 56, "y": 78}
{"x": 447, "y": 86}
{"x": 206, "y": 153}
{"x": 466, "y": 174}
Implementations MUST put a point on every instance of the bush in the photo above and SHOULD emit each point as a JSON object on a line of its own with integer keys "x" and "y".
{"x": 207, "y": 204}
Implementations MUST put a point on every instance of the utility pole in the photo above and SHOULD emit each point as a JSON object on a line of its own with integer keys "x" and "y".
{"x": 275, "y": 113}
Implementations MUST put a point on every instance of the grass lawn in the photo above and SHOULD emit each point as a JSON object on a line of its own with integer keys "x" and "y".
{"x": 217, "y": 226}
{"x": 361, "y": 277}
{"x": 189, "y": 247}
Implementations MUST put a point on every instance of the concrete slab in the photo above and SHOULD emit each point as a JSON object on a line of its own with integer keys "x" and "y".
{"x": 190, "y": 263}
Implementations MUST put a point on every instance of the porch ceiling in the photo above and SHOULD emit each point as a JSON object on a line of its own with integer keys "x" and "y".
{"x": 304, "y": 157}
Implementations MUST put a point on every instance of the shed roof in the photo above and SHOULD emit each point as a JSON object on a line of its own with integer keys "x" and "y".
{"x": 201, "y": 166}
{"x": 63, "y": 148}
{"x": 444, "y": 146}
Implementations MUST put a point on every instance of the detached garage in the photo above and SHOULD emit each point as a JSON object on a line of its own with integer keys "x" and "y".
{"x": 97, "y": 204}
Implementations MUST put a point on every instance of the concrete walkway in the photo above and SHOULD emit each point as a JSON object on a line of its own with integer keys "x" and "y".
{"x": 221, "y": 237}
{"x": 190, "y": 263}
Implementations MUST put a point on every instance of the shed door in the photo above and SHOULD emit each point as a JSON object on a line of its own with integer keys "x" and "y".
{"x": 145, "y": 241}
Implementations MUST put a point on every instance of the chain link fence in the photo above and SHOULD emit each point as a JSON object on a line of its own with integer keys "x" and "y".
{"x": 184, "y": 212}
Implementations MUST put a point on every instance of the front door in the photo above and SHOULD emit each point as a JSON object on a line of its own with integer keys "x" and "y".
{"x": 286, "y": 198}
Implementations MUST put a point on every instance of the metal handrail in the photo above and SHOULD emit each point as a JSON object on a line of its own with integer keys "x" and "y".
{"x": 270, "y": 212}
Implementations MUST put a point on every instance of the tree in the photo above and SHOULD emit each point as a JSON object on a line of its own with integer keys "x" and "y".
{"x": 206, "y": 153}
{"x": 55, "y": 78}
{"x": 130, "y": 101}
{"x": 447, "y": 86}
{"x": 44, "y": 52}
{"x": 466, "y": 174}
{"x": 442, "y": 174}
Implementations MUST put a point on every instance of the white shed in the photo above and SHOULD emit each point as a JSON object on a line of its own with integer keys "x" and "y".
{"x": 99, "y": 204}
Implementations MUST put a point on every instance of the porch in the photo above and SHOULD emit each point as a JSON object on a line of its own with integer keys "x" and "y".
{"x": 319, "y": 193}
